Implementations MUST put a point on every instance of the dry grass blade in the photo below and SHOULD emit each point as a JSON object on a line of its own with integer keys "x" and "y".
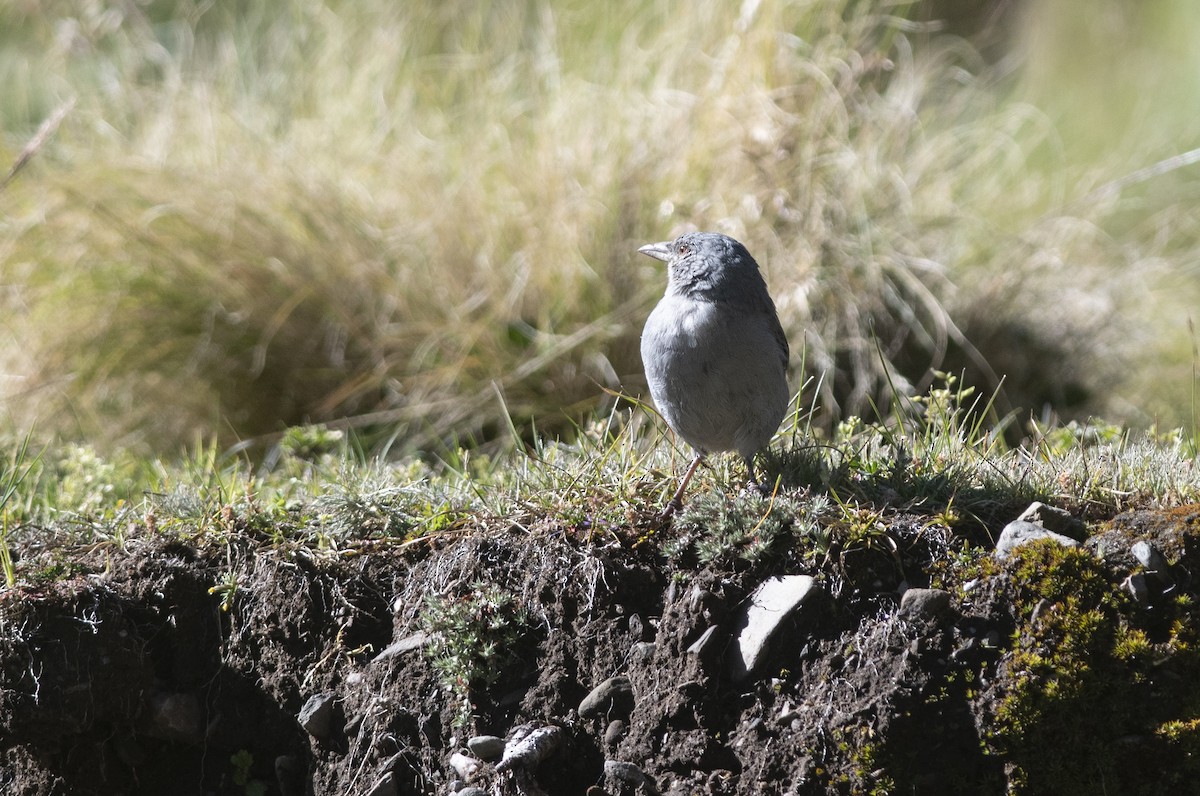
{"x": 43, "y": 134}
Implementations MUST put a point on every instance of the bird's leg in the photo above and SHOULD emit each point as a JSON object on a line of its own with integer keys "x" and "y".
{"x": 676, "y": 501}
{"x": 755, "y": 484}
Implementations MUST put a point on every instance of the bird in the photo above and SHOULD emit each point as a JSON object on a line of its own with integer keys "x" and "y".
{"x": 714, "y": 351}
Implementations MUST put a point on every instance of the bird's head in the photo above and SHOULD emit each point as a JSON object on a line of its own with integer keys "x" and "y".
{"x": 707, "y": 265}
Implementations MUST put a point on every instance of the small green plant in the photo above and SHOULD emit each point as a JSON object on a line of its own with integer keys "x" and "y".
{"x": 747, "y": 526}
{"x": 17, "y": 469}
{"x": 227, "y": 588}
{"x": 474, "y": 640}
{"x": 242, "y": 761}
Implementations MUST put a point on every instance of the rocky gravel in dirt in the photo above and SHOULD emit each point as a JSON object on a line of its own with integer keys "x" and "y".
{"x": 597, "y": 666}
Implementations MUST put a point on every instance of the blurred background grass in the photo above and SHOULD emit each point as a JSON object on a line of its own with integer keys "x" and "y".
{"x": 422, "y": 218}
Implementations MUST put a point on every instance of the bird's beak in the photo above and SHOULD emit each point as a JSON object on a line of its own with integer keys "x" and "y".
{"x": 659, "y": 251}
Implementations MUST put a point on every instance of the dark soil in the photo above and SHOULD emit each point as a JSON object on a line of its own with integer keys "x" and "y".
{"x": 170, "y": 667}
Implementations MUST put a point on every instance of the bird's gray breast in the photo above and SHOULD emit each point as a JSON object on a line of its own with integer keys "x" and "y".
{"x": 715, "y": 372}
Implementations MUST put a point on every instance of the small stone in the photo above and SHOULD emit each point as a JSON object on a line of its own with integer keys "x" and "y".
{"x": 614, "y": 694}
{"x": 471, "y": 791}
{"x": 624, "y": 772}
{"x": 671, "y": 593}
{"x": 409, "y": 643}
{"x": 316, "y": 717}
{"x": 464, "y": 765}
{"x": 702, "y": 644}
{"x": 1052, "y": 518}
{"x": 643, "y": 650}
{"x": 636, "y": 626}
{"x": 486, "y": 747}
{"x": 615, "y": 732}
{"x": 770, "y": 604}
{"x": 385, "y": 786}
{"x": 1149, "y": 556}
{"x": 1019, "y": 532}
{"x": 924, "y": 603}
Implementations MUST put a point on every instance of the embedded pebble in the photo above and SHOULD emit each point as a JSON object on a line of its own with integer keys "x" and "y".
{"x": 924, "y": 603}
{"x": 407, "y": 644}
{"x": 772, "y": 602}
{"x": 316, "y": 717}
{"x": 702, "y": 644}
{"x": 615, "y": 732}
{"x": 471, "y": 791}
{"x": 636, "y": 626}
{"x": 615, "y": 693}
{"x": 486, "y": 747}
{"x": 464, "y": 765}
{"x": 625, "y": 772}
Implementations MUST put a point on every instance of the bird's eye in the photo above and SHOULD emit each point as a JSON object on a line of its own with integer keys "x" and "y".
{"x": 682, "y": 248}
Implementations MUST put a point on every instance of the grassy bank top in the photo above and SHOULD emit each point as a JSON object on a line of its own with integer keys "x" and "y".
{"x": 939, "y": 466}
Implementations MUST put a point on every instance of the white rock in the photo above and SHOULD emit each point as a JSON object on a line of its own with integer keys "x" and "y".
{"x": 772, "y": 602}
{"x": 464, "y": 765}
{"x": 1019, "y": 532}
{"x": 1149, "y": 557}
{"x": 529, "y": 746}
{"x": 1051, "y": 518}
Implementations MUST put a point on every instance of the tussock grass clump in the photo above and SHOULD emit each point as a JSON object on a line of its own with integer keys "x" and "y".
{"x": 254, "y": 219}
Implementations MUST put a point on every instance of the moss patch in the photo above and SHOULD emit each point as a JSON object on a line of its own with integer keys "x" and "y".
{"x": 1091, "y": 702}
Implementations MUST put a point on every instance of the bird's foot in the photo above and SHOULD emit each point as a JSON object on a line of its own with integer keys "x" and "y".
{"x": 673, "y": 505}
{"x": 759, "y": 488}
